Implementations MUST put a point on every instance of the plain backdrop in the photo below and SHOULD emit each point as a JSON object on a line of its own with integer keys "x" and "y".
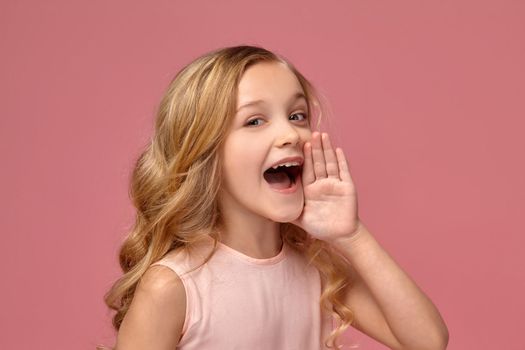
{"x": 427, "y": 100}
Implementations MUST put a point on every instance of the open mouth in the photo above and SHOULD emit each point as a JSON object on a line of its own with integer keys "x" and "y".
{"x": 283, "y": 176}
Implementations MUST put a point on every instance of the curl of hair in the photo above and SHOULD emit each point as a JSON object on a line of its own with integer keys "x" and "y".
{"x": 175, "y": 182}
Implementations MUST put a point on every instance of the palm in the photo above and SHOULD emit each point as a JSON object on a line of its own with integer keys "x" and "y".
{"x": 330, "y": 208}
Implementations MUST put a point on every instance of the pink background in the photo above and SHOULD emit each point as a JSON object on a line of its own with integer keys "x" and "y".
{"x": 427, "y": 100}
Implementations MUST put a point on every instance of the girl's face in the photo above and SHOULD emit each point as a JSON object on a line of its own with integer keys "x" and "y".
{"x": 270, "y": 125}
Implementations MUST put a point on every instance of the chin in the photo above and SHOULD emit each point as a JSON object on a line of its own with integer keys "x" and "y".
{"x": 288, "y": 216}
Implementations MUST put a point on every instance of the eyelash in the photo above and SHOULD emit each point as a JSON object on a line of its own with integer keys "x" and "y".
{"x": 251, "y": 120}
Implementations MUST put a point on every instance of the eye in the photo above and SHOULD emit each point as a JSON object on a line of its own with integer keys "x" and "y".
{"x": 251, "y": 122}
{"x": 301, "y": 115}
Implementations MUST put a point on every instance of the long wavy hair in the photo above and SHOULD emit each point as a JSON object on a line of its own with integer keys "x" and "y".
{"x": 176, "y": 180}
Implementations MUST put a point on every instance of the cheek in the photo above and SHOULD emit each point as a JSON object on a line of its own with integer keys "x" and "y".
{"x": 306, "y": 135}
{"x": 242, "y": 160}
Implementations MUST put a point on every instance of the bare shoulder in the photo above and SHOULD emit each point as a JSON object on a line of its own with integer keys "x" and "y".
{"x": 156, "y": 315}
{"x": 162, "y": 282}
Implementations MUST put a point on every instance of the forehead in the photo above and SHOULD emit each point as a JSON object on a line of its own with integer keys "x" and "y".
{"x": 272, "y": 82}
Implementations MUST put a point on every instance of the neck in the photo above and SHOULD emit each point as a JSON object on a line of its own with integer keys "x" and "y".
{"x": 250, "y": 234}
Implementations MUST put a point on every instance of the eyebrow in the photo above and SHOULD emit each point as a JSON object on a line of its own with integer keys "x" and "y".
{"x": 297, "y": 96}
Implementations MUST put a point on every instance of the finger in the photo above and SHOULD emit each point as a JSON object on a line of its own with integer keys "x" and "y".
{"x": 344, "y": 172}
{"x": 308, "y": 175}
{"x": 332, "y": 169}
{"x": 318, "y": 157}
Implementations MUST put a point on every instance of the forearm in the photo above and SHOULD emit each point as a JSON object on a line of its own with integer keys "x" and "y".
{"x": 410, "y": 314}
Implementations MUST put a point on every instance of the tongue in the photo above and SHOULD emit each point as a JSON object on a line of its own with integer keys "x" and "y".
{"x": 278, "y": 180}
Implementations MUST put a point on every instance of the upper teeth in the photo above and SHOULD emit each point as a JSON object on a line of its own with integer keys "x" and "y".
{"x": 286, "y": 164}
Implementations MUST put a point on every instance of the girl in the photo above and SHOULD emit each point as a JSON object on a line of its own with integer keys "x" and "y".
{"x": 247, "y": 234}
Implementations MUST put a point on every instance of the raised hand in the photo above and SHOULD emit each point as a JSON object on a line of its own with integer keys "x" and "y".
{"x": 330, "y": 197}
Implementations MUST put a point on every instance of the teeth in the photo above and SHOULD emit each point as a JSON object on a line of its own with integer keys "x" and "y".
{"x": 286, "y": 165}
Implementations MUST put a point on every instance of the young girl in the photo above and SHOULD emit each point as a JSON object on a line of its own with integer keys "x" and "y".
{"x": 247, "y": 234}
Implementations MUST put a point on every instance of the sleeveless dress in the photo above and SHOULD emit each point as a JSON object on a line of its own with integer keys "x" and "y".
{"x": 237, "y": 302}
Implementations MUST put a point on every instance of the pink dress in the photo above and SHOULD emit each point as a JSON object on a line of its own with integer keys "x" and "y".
{"x": 236, "y": 302}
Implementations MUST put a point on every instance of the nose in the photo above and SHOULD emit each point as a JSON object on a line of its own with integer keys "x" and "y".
{"x": 288, "y": 135}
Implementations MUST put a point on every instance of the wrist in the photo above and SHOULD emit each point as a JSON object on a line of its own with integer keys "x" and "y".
{"x": 359, "y": 231}
{"x": 349, "y": 244}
